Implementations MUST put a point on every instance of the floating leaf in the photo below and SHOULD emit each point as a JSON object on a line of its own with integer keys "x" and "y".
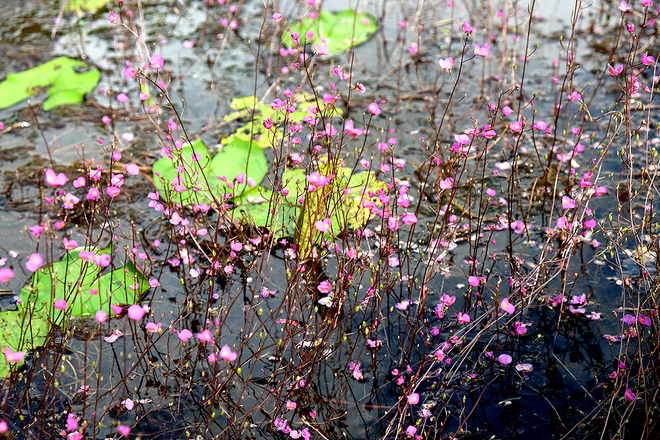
{"x": 182, "y": 168}
{"x": 66, "y": 85}
{"x": 87, "y": 5}
{"x": 342, "y": 30}
{"x": 202, "y": 176}
{"x": 20, "y": 332}
{"x": 72, "y": 280}
{"x": 256, "y": 131}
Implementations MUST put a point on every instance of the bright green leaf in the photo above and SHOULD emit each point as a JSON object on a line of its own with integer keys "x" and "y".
{"x": 66, "y": 85}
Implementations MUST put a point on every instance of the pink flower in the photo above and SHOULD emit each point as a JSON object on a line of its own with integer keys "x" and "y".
{"x": 600, "y": 190}
{"x": 516, "y": 126}
{"x": 411, "y": 431}
{"x": 463, "y": 317}
{"x": 132, "y": 169}
{"x": 79, "y": 182}
{"x": 60, "y": 304}
{"x": 128, "y": 404}
{"x": 112, "y": 17}
{"x": 112, "y": 191}
{"x": 136, "y": 312}
{"x": 101, "y": 316}
{"x": 623, "y": 7}
{"x": 227, "y": 354}
{"x": 647, "y": 60}
{"x": 413, "y": 399}
{"x": 409, "y": 218}
{"x": 70, "y": 201}
{"x": 350, "y": 130}
{"x": 447, "y": 183}
{"x": 14, "y": 356}
{"x": 462, "y": 139}
{"x": 562, "y": 223}
{"x": 123, "y": 430}
{"x": 473, "y": 281}
{"x": 184, "y": 335}
{"x": 629, "y": 395}
{"x": 6, "y": 274}
{"x": 467, "y": 28}
{"x": 113, "y": 337}
{"x": 539, "y": 125}
{"x": 93, "y": 194}
{"x": 55, "y": 179}
{"x": 122, "y": 97}
{"x": 129, "y": 73}
{"x": 507, "y": 306}
{"x": 567, "y": 202}
{"x": 323, "y": 225}
{"x": 481, "y": 51}
{"x": 157, "y": 62}
{"x": 446, "y": 64}
{"x": 393, "y": 223}
{"x": 153, "y": 328}
{"x": 205, "y": 336}
{"x": 277, "y": 16}
{"x": 506, "y": 111}
{"x": 321, "y": 49}
{"x": 373, "y": 109}
{"x": 504, "y": 359}
{"x": 615, "y": 71}
{"x": 34, "y": 262}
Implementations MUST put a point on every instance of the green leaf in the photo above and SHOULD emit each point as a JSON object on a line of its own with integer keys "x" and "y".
{"x": 87, "y": 5}
{"x": 235, "y": 158}
{"x": 342, "y": 30}
{"x": 66, "y": 85}
{"x": 20, "y": 332}
{"x": 181, "y": 167}
{"x": 72, "y": 280}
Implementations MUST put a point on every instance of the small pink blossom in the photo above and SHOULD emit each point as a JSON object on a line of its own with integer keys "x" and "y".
{"x": 132, "y": 169}
{"x": 227, "y": 354}
{"x": 413, "y": 398}
{"x": 35, "y": 261}
{"x": 205, "y": 336}
{"x": 14, "y": 356}
{"x": 373, "y": 109}
{"x": 482, "y": 51}
{"x": 507, "y": 306}
{"x": 136, "y": 312}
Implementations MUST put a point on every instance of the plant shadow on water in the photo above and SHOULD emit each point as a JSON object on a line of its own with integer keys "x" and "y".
{"x": 301, "y": 220}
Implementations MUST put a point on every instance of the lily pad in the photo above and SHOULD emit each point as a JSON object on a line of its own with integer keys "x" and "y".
{"x": 255, "y": 131}
{"x": 87, "y": 5}
{"x": 65, "y": 85}
{"x": 72, "y": 280}
{"x": 20, "y": 332}
{"x": 206, "y": 175}
{"x": 341, "y": 31}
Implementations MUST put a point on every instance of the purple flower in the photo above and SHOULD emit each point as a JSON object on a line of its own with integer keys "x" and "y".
{"x": 504, "y": 359}
{"x": 628, "y": 319}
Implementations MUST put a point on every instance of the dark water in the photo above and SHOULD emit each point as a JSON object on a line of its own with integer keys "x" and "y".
{"x": 570, "y": 357}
